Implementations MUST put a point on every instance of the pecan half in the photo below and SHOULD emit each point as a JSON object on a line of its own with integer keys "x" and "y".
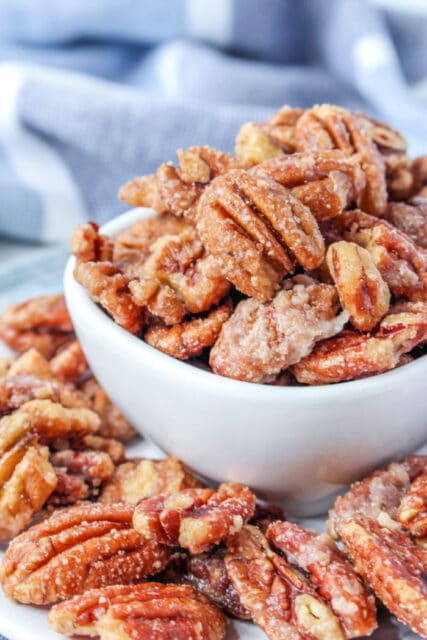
{"x": 365, "y": 519}
{"x": 150, "y": 611}
{"x": 109, "y": 287}
{"x": 279, "y": 598}
{"x": 80, "y": 474}
{"x": 27, "y": 479}
{"x": 330, "y": 127}
{"x": 88, "y": 245}
{"x": 17, "y": 390}
{"x": 42, "y": 323}
{"x": 412, "y": 512}
{"x": 195, "y": 519}
{"x": 69, "y": 364}
{"x": 176, "y": 190}
{"x": 331, "y": 572}
{"x": 188, "y": 339}
{"x": 325, "y": 181}
{"x": 138, "y": 479}
{"x": 361, "y": 288}
{"x": 83, "y": 547}
{"x": 411, "y": 218}
{"x": 258, "y": 142}
{"x": 31, "y": 363}
{"x": 351, "y": 355}
{"x": 401, "y": 263}
{"x": 259, "y": 230}
{"x": 260, "y": 340}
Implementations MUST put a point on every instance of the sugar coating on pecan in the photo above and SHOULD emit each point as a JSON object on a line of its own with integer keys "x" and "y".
{"x": 331, "y": 572}
{"x": 257, "y": 142}
{"x": 259, "y": 230}
{"x": 82, "y": 547}
{"x": 108, "y": 286}
{"x": 279, "y": 598}
{"x": 149, "y": 611}
{"x": 352, "y": 355}
{"x": 260, "y": 340}
{"x": 325, "y": 181}
{"x": 412, "y": 512}
{"x": 88, "y": 245}
{"x": 27, "y": 479}
{"x": 42, "y": 322}
{"x": 179, "y": 264}
{"x": 69, "y": 364}
{"x": 135, "y": 480}
{"x": 80, "y": 474}
{"x": 330, "y": 127}
{"x": 188, "y": 339}
{"x": 113, "y": 423}
{"x": 176, "y": 190}
{"x": 366, "y": 519}
{"x": 384, "y": 136}
{"x": 132, "y": 246}
{"x": 401, "y": 263}
{"x": 361, "y": 288}
{"x": 411, "y": 218}
{"x": 195, "y": 519}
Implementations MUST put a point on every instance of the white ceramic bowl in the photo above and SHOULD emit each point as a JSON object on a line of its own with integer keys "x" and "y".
{"x": 296, "y": 445}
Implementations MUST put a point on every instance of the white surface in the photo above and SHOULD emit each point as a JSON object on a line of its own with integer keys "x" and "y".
{"x": 295, "y": 445}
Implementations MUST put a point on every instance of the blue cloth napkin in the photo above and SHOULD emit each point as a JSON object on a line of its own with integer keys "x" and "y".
{"x": 95, "y": 92}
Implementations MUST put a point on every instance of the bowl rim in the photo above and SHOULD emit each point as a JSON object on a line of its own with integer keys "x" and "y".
{"x": 231, "y": 386}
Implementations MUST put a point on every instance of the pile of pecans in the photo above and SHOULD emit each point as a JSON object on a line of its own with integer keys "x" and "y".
{"x": 300, "y": 260}
{"x": 139, "y": 549}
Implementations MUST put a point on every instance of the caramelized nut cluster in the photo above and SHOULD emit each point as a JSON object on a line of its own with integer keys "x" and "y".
{"x": 320, "y": 192}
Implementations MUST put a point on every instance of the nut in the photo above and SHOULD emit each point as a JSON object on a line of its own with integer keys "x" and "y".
{"x": 113, "y": 423}
{"x": 135, "y": 480}
{"x": 412, "y": 512}
{"x": 195, "y": 519}
{"x": 149, "y": 611}
{"x": 260, "y": 340}
{"x": 188, "y": 339}
{"x": 83, "y": 547}
{"x": 259, "y": 230}
{"x": 411, "y": 218}
{"x": 69, "y": 364}
{"x": 361, "y": 288}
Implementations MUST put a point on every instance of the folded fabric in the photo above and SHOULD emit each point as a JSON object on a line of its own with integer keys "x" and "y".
{"x": 96, "y": 92}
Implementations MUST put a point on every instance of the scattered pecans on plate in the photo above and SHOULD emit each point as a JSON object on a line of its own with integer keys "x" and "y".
{"x": 301, "y": 260}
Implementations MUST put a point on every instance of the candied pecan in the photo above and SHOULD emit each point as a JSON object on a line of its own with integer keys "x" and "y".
{"x": 260, "y": 340}
{"x": 412, "y": 512}
{"x": 69, "y": 489}
{"x": 419, "y": 169}
{"x": 69, "y": 364}
{"x": 49, "y": 420}
{"x": 325, "y": 181}
{"x": 82, "y": 547}
{"x": 41, "y": 322}
{"x": 188, "y": 339}
{"x": 5, "y": 364}
{"x": 331, "y": 572}
{"x": 150, "y": 611}
{"x": 365, "y": 519}
{"x": 113, "y": 423}
{"x": 109, "y": 287}
{"x": 89, "y": 468}
{"x": 259, "y": 230}
{"x": 265, "y": 514}
{"x": 258, "y": 142}
{"x": 411, "y": 218}
{"x": 352, "y": 355}
{"x": 27, "y": 479}
{"x": 329, "y": 127}
{"x": 195, "y": 519}
{"x": 31, "y": 363}
{"x": 401, "y": 182}
{"x": 401, "y": 263}
{"x": 178, "y": 266}
{"x": 132, "y": 246}
{"x": 17, "y": 390}
{"x": 114, "y": 448}
{"x": 207, "y": 573}
{"x": 176, "y": 190}
{"x": 88, "y": 245}
{"x": 361, "y": 288}
{"x": 138, "y": 479}
{"x": 384, "y": 136}
{"x": 279, "y": 598}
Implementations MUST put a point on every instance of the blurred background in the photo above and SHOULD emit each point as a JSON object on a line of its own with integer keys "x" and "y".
{"x": 94, "y": 92}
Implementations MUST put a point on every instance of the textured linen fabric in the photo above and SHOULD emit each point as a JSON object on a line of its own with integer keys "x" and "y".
{"x": 94, "y": 92}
